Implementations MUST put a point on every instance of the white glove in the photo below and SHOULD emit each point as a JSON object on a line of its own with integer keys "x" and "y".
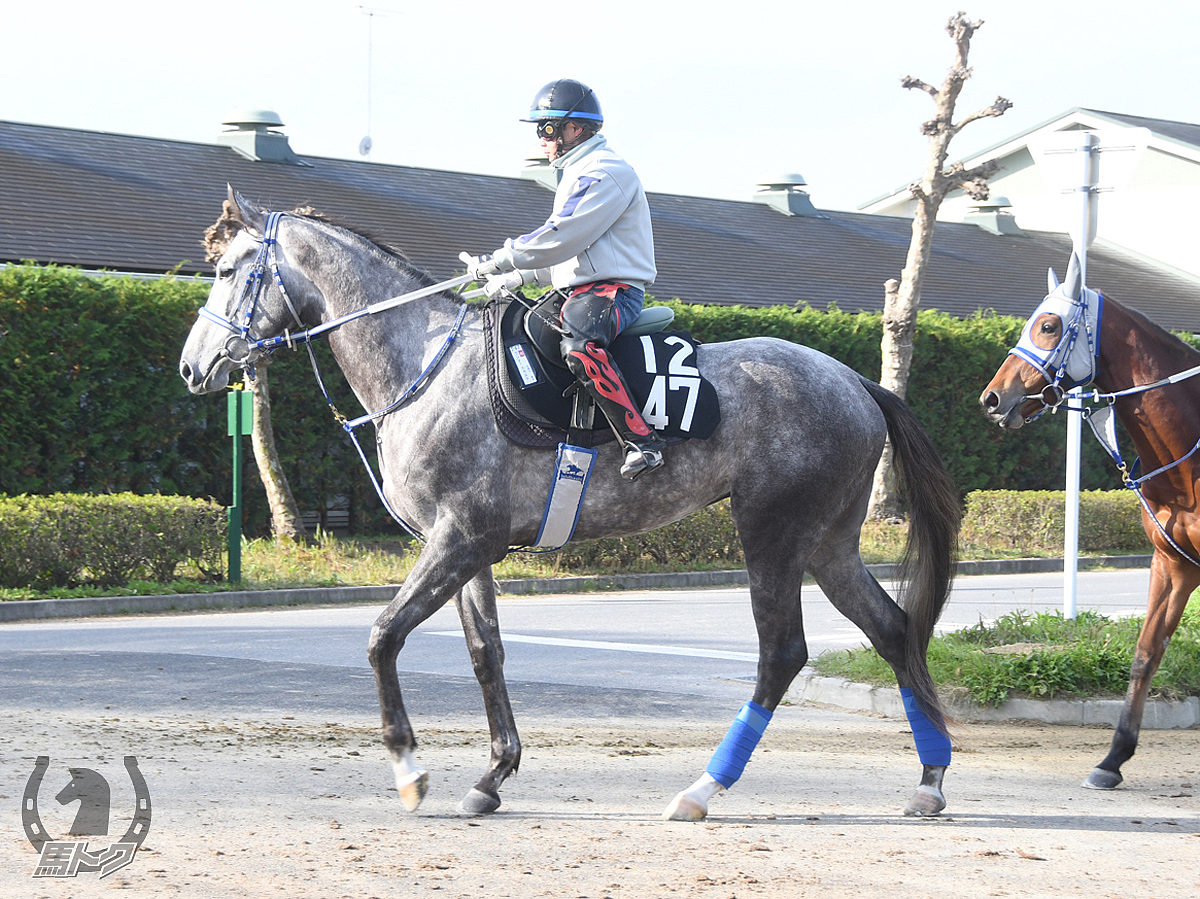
{"x": 505, "y": 283}
{"x": 479, "y": 267}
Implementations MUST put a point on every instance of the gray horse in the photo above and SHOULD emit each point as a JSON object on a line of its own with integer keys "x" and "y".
{"x": 798, "y": 442}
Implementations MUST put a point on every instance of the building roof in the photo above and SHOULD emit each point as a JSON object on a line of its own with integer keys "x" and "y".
{"x": 1180, "y": 138}
{"x": 1182, "y": 133}
{"x": 128, "y": 203}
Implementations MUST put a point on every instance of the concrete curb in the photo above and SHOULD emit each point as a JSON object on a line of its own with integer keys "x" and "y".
{"x": 25, "y": 610}
{"x": 1159, "y": 714}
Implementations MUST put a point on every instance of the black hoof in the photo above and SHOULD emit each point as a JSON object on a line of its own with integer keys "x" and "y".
{"x": 1100, "y": 779}
{"x": 478, "y": 802}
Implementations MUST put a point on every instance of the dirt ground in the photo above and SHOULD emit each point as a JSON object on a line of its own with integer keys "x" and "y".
{"x": 306, "y": 807}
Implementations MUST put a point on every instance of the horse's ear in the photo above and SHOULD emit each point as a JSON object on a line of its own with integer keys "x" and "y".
{"x": 1073, "y": 283}
{"x": 246, "y": 212}
{"x": 1051, "y": 280}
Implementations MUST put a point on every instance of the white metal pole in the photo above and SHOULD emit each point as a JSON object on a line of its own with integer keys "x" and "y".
{"x": 1071, "y": 531}
{"x": 1089, "y": 147}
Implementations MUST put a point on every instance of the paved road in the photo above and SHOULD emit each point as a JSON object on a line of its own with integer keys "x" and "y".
{"x": 256, "y": 732}
{"x": 651, "y": 650}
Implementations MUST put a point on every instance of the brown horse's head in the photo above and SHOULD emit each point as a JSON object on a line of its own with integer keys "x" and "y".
{"x": 1057, "y": 351}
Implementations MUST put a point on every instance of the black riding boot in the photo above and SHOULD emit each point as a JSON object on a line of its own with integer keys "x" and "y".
{"x": 600, "y": 377}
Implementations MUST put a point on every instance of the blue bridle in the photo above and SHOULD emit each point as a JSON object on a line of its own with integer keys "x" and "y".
{"x": 240, "y": 347}
{"x": 1069, "y": 363}
{"x": 250, "y": 349}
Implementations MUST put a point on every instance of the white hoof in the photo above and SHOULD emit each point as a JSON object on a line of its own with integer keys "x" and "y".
{"x": 925, "y": 803}
{"x": 684, "y": 808}
{"x": 412, "y": 783}
{"x": 412, "y": 792}
{"x": 692, "y": 803}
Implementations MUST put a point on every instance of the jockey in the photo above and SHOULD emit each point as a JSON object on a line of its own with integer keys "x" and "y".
{"x": 597, "y": 247}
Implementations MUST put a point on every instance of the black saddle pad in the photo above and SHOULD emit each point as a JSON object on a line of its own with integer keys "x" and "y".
{"x": 660, "y": 369}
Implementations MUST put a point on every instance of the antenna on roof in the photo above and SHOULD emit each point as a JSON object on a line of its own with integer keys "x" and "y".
{"x": 364, "y": 145}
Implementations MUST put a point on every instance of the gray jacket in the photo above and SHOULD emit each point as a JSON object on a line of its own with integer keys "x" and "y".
{"x": 599, "y": 230}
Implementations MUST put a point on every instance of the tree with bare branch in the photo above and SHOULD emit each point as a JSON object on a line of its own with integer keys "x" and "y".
{"x": 902, "y": 298}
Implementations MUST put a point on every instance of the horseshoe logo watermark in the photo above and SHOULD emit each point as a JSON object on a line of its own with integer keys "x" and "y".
{"x": 68, "y": 858}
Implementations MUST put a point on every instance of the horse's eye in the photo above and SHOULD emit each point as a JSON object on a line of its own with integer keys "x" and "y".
{"x": 1049, "y": 327}
{"x": 224, "y": 272}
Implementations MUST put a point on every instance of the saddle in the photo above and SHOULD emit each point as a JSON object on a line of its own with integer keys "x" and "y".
{"x": 537, "y": 401}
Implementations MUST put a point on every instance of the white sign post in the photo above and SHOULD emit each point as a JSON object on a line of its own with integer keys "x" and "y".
{"x": 1059, "y": 156}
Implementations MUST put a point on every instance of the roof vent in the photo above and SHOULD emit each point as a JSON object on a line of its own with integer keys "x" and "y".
{"x": 538, "y": 168}
{"x": 992, "y": 215}
{"x": 784, "y": 193}
{"x": 253, "y": 138}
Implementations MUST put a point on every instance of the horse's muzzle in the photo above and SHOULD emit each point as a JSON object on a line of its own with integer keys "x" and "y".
{"x": 1006, "y": 416}
{"x": 217, "y": 378}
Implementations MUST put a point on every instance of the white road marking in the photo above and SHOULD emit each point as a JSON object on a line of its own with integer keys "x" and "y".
{"x": 691, "y": 652}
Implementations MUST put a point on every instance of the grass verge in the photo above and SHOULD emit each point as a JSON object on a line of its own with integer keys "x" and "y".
{"x": 1039, "y": 656}
{"x": 704, "y": 542}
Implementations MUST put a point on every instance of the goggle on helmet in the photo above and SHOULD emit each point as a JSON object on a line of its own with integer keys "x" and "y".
{"x": 564, "y": 100}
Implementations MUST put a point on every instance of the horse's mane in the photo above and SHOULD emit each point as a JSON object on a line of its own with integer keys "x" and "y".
{"x": 316, "y": 215}
{"x": 1168, "y": 337}
{"x": 218, "y": 235}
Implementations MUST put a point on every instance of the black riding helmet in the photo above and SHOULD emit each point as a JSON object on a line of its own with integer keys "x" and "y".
{"x": 566, "y": 100}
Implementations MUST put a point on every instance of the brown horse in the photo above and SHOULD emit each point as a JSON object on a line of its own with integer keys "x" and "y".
{"x": 1078, "y": 338}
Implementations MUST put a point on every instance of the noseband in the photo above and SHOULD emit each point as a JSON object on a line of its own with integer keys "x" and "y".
{"x": 240, "y": 347}
{"x": 1070, "y": 363}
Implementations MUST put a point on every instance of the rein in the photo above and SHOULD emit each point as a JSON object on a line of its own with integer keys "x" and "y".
{"x": 254, "y": 286}
{"x": 250, "y": 349}
{"x": 1106, "y": 435}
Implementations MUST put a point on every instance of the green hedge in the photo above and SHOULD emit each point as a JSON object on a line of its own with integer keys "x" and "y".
{"x": 1110, "y": 521}
{"x": 953, "y": 360}
{"x": 86, "y": 371}
{"x": 704, "y": 540}
{"x": 64, "y": 540}
{"x": 996, "y": 524}
{"x": 91, "y": 400}
{"x": 69, "y": 540}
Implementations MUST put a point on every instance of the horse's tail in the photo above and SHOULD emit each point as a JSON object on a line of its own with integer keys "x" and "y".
{"x": 934, "y": 514}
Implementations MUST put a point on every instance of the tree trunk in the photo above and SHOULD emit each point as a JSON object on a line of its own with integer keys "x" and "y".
{"x": 285, "y": 514}
{"x": 896, "y": 347}
{"x": 902, "y": 298}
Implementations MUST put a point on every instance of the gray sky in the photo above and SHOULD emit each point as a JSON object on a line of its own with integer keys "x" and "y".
{"x": 703, "y": 99}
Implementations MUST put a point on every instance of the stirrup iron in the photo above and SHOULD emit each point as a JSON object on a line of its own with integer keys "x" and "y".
{"x": 642, "y": 456}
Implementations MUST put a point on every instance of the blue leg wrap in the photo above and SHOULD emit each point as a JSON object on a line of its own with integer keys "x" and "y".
{"x": 729, "y": 761}
{"x": 933, "y": 746}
